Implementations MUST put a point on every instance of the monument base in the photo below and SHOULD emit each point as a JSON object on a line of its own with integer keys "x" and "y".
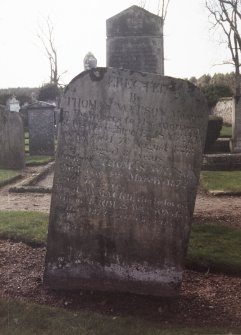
{"x": 235, "y": 146}
{"x": 136, "y": 279}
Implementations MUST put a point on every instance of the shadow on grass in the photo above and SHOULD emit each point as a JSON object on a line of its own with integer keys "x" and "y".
{"x": 24, "y": 319}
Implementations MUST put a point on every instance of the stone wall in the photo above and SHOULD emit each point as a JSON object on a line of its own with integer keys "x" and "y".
{"x": 12, "y": 155}
{"x": 135, "y": 41}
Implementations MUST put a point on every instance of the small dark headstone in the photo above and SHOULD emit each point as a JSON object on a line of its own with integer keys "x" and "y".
{"x": 41, "y": 128}
{"x": 127, "y": 169}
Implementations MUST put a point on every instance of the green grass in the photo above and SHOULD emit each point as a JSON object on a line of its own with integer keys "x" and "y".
{"x": 216, "y": 247}
{"x": 211, "y": 246}
{"x": 228, "y": 181}
{"x": 38, "y": 160}
{"x": 226, "y": 131}
{"x": 8, "y": 175}
{"x": 26, "y": 148}
{"x": 27, "y": 319}
{"x": 28, "y": 227}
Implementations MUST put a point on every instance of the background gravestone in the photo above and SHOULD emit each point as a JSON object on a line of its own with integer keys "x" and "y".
{"x": 127, "y": 168}
{"x": 135, "y": 41}
{"x": 12, "y": 104}
{"x": 235, "y": 142}
{"x": 12, "y": 155}
{"x": 41, "y": 128}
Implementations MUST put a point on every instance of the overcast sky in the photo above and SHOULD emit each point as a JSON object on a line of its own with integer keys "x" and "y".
{"x": 191, "y": 49}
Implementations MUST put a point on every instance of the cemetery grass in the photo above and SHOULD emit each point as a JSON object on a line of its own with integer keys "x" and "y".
{"x": 38, "y": 160}
{"x": 213, "y": 247}
{"x": 208, "y": 303}
{"x": 226, "y": 181}
{"x": 26, "y": 318}
{"x": 27, "y": 227}
{"x": 226, "y": 131}
{"x": 7, "y": 176}
{"x": 207, "y": 300}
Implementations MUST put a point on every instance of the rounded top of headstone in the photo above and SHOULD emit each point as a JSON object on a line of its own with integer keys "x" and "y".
{"x": 90, "y": 61}
{"x": 134, "y": 21}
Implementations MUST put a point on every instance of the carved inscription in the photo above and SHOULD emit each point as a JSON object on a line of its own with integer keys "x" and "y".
{"x": 135, "y": 141}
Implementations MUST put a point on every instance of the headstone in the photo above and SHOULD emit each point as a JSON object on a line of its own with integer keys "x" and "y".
{"x": 41, "y": 128}
{"x": 127, "y": 168}
{"x": 12, "y": 155}
{"x": 235, "y": 142}
{"x": 135, "y": 41}
{"x": 90, "y": 61}
{"x": 13, "y": 104}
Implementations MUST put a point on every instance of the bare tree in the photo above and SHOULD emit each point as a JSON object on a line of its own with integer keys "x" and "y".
{"x": 227, "y": 16}
{"x": 162, "y": 7}
{"x": 46, "y": 36}
{"x": 142, "y": 3}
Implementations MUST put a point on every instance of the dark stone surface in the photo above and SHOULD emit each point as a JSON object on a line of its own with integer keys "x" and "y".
{"x": 134, "y": 21}
{"x": 12, "y": 154}
{"x": 41, "y": 129}
{"x": 56, "y": 122}
{"x": 235, "y": 142}
{"x": 127, "y": 168}
{"x": 221, "y": 162}
{"x": 135, "y": 41}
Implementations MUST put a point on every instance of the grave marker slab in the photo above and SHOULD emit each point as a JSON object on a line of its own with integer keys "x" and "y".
{"x": 41, "y": 128}
{"x": 235, "y": 142}
{"x": 135, "y": 41}
{"x": 127, "y": 168}
{"x": 12, "y": 155}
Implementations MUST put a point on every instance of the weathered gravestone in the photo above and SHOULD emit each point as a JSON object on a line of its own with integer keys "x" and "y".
{"x": 135, "y": 41}
{"x": 127, "y": 169}
{"x": 12, "y": 155}
{"x": 12, "y": 104}
{"x": 41, "y": 128}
